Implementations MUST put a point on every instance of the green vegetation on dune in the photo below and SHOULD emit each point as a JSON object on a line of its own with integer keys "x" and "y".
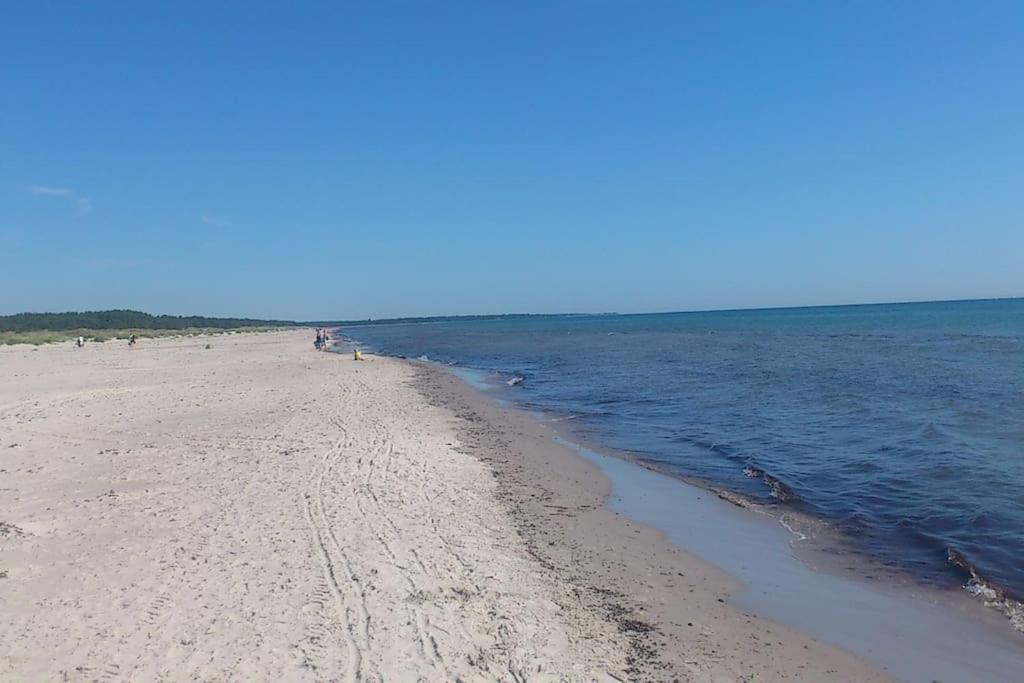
{"x": 38, "y": 337}
{"x": 46, "y": 328}
{"x": 137, "y": 321}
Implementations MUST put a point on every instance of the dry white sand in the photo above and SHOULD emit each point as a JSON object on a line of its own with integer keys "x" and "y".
{"x": 259, "y": 511}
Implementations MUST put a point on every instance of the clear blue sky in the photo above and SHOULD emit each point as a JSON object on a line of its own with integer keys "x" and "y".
{"x": 343, "y": 160}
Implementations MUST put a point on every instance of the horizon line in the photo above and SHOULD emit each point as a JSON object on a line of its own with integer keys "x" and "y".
{"x": 323, "y": 321}
{"x": 669, "y": 312}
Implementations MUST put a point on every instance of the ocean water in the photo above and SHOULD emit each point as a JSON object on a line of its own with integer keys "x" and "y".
{"x": 901, "y": 426}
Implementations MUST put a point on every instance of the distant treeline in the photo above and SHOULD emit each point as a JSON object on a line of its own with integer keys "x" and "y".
{"x": 123, "y": 320}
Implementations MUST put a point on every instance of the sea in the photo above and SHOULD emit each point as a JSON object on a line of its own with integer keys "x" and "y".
{"x": 899, "y": 426}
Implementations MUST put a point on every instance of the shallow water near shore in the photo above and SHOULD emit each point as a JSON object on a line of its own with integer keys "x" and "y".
{"x": 923, "y": 635}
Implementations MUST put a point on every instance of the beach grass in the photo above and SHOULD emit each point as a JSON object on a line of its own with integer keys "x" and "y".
{"x": 40, "y": 337}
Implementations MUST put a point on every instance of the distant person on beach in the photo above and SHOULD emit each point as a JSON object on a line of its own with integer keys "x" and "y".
{"x": 80, "y": 341}
{"x": 131, "y": 340}
{"x": 319, "y": 339}
{"x": 327, "y": 338}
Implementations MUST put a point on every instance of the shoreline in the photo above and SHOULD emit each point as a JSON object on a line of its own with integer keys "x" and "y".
{"x": 671, "y": 604}
{"x": 823, "y": 548}
{"x": 995, "y": 654}
{"x": 821, "y": 545}
{"x": 789, "y": 413}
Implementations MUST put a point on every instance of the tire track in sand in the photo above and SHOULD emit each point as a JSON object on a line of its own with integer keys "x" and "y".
{"x": 406, "y": 561}
{"x": 337, "y": 570}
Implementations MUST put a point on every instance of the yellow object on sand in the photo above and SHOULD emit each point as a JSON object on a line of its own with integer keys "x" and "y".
{"x": 356, "y": 355}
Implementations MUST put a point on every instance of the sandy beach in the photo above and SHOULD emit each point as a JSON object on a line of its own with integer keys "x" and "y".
{"x": 259, "y": 511}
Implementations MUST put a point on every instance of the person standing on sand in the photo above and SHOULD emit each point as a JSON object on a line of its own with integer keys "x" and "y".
{"x": 319, "y": 340}
{"x": 80, "y": 341}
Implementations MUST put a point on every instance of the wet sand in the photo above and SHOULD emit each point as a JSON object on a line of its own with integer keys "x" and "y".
{"x": 259, "y": 511}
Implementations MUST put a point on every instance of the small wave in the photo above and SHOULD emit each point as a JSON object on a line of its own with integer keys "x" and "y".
{"x": 515, "y": 381}
{"x": 718, "y": 448}
{"x": 735, "y": 498}
{"x": 788, "y": 521}
{"x": 779, "y": 490}
{"x": 991, "y": 595}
